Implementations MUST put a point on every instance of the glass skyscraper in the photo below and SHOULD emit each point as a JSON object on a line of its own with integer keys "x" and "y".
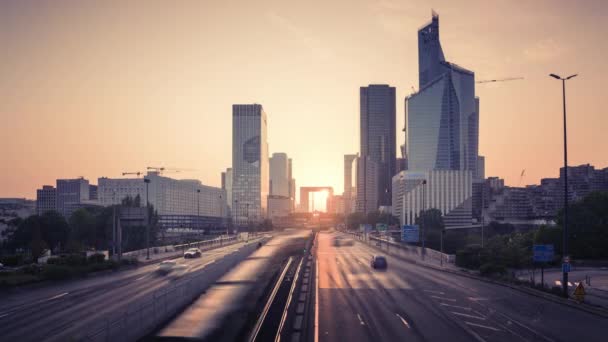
{"x": 443, "y": 116}
{"x": 377, "y": 148}
{"x": 250, "y": 169}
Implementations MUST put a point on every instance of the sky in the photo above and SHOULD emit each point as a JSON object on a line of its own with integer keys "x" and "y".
{"x": 97, "y": 88}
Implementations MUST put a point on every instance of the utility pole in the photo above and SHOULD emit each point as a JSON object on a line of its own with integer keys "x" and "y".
{"x": 423, "y": 213}
{"x": 114, "y": 224}
{"x": 565, "y": 232}
{"x": 147, "y": 181}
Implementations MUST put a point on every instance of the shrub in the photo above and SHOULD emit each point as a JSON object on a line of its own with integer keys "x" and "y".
{"x": 53, "y": 261}
{"x": 469, "y": 257}
{"x": 31, "y": 269}
{"x": 12, "y": 260}
{"x": 96, "y": 258}
{"x": 56, "y": 272}
{"x": 492, "y": 268}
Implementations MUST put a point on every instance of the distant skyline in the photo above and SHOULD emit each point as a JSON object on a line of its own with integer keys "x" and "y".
{"x": 98, "y": 88}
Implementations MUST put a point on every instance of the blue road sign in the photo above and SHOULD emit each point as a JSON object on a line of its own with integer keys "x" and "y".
{"x": 542, "y": 253}
{"x": 565, "y": 267}
{"x": 410, "y": 233}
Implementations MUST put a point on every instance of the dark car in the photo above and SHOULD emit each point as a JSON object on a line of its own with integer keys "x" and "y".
{"x": 193, "y": 253}
{"x": 379, "y": 262}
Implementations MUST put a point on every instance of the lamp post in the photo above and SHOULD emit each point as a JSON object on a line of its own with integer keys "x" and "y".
{"x": 423, "y": 212}
{"x": 248, "y": 229}
{"x": 147, "y": 181}
{"x": 565, "y": 232}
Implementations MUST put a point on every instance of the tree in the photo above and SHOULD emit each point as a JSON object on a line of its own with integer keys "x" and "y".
{"x": 55, "y": 229}
{"x": 587, "y": 226}
{"x": 83, "y": 227}
{"x": 353, "y": 220}
{"x": 431, "y": 226}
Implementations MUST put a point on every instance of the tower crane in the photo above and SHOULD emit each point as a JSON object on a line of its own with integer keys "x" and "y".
{"x": 501, "y": 80}
{"x": 132, "y": 173}
{"x": 162, "y": 169}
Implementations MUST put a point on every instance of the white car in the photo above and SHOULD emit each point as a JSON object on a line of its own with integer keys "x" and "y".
{"x": 166, "y": 266}
{"x": 193, "y": 253}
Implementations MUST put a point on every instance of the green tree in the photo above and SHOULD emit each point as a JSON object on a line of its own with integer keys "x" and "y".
{"x": 83, "y": 227}
{"x": 55, "y": 229}
{"x": 431, "y": 226}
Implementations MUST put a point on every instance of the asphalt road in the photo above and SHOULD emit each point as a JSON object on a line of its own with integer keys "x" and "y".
{"x": 409, "y": 302}
{"x": 55, "y": 312}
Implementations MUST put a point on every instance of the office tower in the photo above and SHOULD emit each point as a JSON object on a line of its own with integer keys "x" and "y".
{"x": 279, "y": 175}
{"x": 377, "y": 147}
{"x": 250, "y": 174}
{"x": 46, "y": 199}
{"x": 71, "y": 193}
{"x": 228, "y": 187}
{"x": 350, "y": 181}
{"x": 442, "y": 130}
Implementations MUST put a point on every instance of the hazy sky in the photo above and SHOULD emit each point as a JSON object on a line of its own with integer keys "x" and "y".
{"x": 95, "y": 88}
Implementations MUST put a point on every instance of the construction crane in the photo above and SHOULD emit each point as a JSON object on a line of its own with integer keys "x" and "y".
{"x": 501, "y": 80}
{"x": 131, "y": 173}
{"x": 162, "y": 169}
{"x": 521, "y": 177}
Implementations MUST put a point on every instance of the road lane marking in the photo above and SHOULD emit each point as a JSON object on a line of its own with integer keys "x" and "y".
{"x": 3, "y": 315}
{"x": 481, "y": 326}
{"x": 456, "y": 306}
{"x": 436, "y": 292}
{"x": 140, "y": 278}
{"x": 469, "y": 316}
{"x": 403, "y": 320}
{"x": 360, "y": 320}
{"x": 59, "y": 295}
{"x": 443, "y": 298}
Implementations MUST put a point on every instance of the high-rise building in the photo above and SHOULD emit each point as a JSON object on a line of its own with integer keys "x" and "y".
{"x": 46, "y": 199}
{"x": 250, "y": 169}
{"x": 227, "y": 186}
{"x": 279, "y": 175}
{"x": 377, "y": 147}
{"x": 350, "y": 182}
{"x": 71, "y": 193}
{"x": 442, "y": 130}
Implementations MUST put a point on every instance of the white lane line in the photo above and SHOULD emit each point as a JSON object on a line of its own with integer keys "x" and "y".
{"x": 3, "y": 315}
{"x": 360, "y": 320}
{"x": 403, "y": 320}
{"x": 469, "y": 316}
{"x": 456, "y": 306}
{"x": 59, "y": 296}
{"x": 436, "y": 292}
{"x": 140, "y": 278}
{"x": 443, "y": 298}
{"x": 317, "y": 299}
{"x": 481, "y": 326}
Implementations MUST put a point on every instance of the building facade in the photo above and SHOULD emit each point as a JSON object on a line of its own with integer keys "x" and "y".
{"x": 442, "y": 130}
{"x": 350, "y": 183}
{"x": 250, "y": 166}
{"x": 168, "y": 196}
{"x": 46, "y": 199}
{"x": 279, "y": 175}
{"x": 71, "y": 193}
{"x": 449, "y": 191}
{"x": 377, "y": 147}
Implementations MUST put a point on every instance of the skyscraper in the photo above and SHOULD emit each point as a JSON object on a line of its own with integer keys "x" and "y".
{"x": 350, "y": 187}
{"x": 377, "y": 147}
{"x": 250, "y": 174}
{"x": 279, "y": 174}
{"x": 442, "y": 130}
{"x": 70, "y": 194}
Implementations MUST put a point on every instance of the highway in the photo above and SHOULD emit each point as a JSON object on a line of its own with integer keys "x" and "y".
{"x": 409, "y": 302}
{"x": 75, "y": 309}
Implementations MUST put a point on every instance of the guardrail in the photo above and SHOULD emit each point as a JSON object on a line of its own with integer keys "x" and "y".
{"x": 429, "y": 255}
{"x": 160, "y": 251}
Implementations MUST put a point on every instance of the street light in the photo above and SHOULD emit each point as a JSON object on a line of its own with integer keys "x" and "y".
{"x": 423, "y": 212}
{"x": 147, "y": 181}
{"x": 565, "y": 232}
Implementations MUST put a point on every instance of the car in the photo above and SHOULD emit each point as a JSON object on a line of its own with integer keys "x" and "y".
{"x": 166, "y": 266}
{"x": 379, "y": 262}
{"x": 193, "y": 253}
{"x": 337, "y": 241}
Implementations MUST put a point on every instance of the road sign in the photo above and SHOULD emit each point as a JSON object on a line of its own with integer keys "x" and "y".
{"x": 410, "y": 233}
{"x": 365, "y": 228}
{"x": 542, "y": 253}
{"x": 579, "y": 292}
{"x": 565, "y": 267}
